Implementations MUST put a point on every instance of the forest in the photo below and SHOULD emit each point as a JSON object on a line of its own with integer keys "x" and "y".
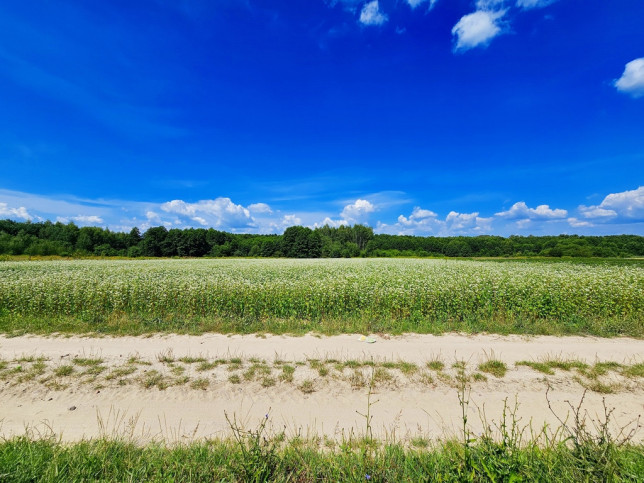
{"x": 68, "y": 240}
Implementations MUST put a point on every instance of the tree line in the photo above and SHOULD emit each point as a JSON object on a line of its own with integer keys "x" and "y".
{"x": 68, "y": 240}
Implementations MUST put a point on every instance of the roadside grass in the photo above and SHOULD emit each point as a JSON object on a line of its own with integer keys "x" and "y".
{"x": 581, "y": 449}
{"x": 495, "y": 367}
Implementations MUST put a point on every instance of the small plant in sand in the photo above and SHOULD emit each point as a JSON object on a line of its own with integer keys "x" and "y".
{"x": 495, "y": 367}
{"x": 65, "y": 370}
{"x": 200, "y": 383}
{"x": 307, "y": 386}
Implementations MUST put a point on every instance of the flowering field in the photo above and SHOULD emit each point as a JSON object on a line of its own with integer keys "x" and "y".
{"x": 354, "y": 295}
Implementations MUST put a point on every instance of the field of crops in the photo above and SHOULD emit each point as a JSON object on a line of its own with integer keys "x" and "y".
{"x": 355, "y": 295}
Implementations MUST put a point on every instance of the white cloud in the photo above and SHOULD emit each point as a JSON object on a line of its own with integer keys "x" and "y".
{"x": 371, "y": 14}
{"x": 457, "y": 223}
{"x": 416, "y": 3}
{"x": 426, "y": 222}
{"x": 596, "y": 212}
{"x": 291, "y": 220}
{"x": 520, "y": 210}
{"x": 220, "y": 212}
{"x": 632, "y": 80}
{"x": 528, "y": 4}
{"x": 419, "y": 218}
{"x": 489, "y": 4}
{"x": 20, "y": 212}
{"x": 88, "y": 219}
{"x": 260, "y": 208}
{"x": 357, "y": 212}
{"x": 576, "y": 223}
{"x": 625, "y": 205}
{"x": 477, "y": 29}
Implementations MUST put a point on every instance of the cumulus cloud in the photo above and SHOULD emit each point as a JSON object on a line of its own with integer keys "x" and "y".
{"x": 627, "y": 205}
{"x": 477, "y": 29}
{"x": 423, "y": 221}
{"x": 520, "y": 210}
{"x": 419, "y": 218}
{"x": 260, "y": 208}
{"x": 463, "y": 222}
{"x": 291, "y": 220}
{"x": 632, "y": 80}
{"x": 20, "y": 212}
{"x": 371, "y": 14}
{"x": 357, "y": 212}
{"x": 218, "y": 212}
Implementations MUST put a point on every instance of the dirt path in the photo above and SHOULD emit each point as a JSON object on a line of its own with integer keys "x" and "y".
{"x": 180, "y": 387}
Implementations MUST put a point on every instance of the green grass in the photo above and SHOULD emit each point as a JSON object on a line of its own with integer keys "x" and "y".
{"x": 495, "y": 367}
{"x": 328, "y": 297}
{"x": 22, "y": 459}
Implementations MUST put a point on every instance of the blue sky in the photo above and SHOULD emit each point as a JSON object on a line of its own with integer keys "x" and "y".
{"x": 426, "y": 117}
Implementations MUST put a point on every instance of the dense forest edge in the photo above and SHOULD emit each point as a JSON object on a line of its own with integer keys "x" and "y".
{"x": 68, "y": 240}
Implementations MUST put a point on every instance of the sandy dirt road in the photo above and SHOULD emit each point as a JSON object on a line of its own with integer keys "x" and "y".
{"x": 102, "y": 400}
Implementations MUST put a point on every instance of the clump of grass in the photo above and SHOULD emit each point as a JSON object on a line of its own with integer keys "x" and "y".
{"x": 357, "y": 379}
{"x": 200, "y": 383}
{"x": 407, "y": 368}
{"x": 426, "y": 378}
{"x": 287, "y": 373}
{"x": 65, "y": 370}
{"x": 137, "y": 360}
{"x": 478, "y": 377}
{"x": 566, "y": 364}
{"x": 178, "y": 370}
{"x": 495, "y": 367}
{"x": 435, "y": 365}
{"x": 94, "y": 370}
{"x": 459, "y": 365}
{"x": 166, "y": 357}
{"x": 120, "y": 372}
{"x": 307, "y": 386}
{"x": 191, "y": 359}
{"x": 207, "y": 366}
{"x": 268, "y": 381}
{"x": 537, "y": 366}
{"x": 154, "y": 378}
{"x": 382, "y": 375}
{"x": 234, "y": 379}
{"x": 87, "y": 361}
{"x": 602, "y": 368}
{"x": 419, "y": 442}
{"x": 636, "y": 370}
{"x": 596, "y": 386}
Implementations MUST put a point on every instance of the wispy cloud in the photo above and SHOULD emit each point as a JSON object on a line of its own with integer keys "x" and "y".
{"x": 529, "y": 4}
{"x": 632, "y": 80}
{"x": 415, "y": 3}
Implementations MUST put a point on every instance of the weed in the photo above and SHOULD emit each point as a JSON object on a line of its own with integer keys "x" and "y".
{"x": 494, "y": 366}
{"x": 307, "y": 386}
{"x": 65, "y": 370}
{"x": 200, "y": 383}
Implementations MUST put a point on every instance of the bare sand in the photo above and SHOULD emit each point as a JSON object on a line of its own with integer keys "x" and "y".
{"x": 403, "y": 407}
